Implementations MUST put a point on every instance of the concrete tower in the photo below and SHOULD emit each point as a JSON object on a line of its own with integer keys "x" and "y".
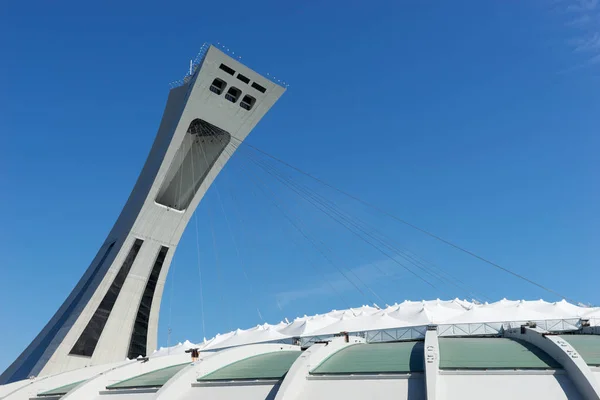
{"x": 113, "y": 311}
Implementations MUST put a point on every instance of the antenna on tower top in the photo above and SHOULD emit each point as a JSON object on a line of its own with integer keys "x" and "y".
{"x": 191, "y": 65}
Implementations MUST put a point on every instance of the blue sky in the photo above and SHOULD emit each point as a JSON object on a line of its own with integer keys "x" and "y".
{"x": 477, "y": 120}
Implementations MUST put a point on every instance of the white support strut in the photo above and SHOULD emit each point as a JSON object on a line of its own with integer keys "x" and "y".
{"x": 559, "y": 349}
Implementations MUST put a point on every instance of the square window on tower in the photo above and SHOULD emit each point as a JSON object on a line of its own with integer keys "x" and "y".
{"x": 217, "y": 86}
{"x": 233, "y": 94}
{"x": 247, "y": 102}
{"x": 258, "y": 87}
{"x": 243, "y": 78}
{"x": 227, "y": 69}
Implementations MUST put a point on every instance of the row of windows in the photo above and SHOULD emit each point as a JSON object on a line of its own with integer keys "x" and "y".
{"x": 139, "y": 336}
{"x": 233, "y": 94}
{"x": 86, "y": 344}
{"x": 242, "y": 78}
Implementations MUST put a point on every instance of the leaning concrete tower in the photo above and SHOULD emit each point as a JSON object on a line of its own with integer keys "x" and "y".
{"x": 113, "y": 311}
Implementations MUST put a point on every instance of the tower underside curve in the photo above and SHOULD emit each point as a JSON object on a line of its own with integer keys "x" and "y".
{"x": 112, "y": 313}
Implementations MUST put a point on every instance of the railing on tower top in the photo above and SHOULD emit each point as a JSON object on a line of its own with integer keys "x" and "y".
{"x": 197, "y": 62}
{"x": 194, "y": 65}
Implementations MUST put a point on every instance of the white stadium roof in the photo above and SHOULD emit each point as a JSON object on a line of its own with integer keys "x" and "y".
{"x": 408, "y": 314}
{"x": 433, "y": 350}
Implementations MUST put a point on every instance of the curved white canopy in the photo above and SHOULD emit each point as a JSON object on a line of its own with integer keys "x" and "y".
{"x": 404, "y": 315}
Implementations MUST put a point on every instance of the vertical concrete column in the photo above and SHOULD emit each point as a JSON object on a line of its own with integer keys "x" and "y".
{"x": 432, "y": 361}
